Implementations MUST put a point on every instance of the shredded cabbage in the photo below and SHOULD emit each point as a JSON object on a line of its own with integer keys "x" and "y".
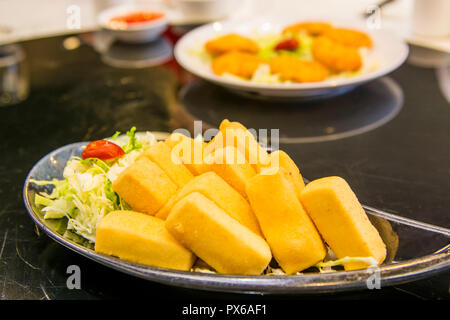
{"x": 263, "y": 75}
{"x": 323, "y": 266}
{"x": 86, "y": 195}
{"x": 328, "y": 264}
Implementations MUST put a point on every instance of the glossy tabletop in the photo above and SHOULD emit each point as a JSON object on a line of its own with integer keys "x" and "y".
{"x": 389, "y": 138}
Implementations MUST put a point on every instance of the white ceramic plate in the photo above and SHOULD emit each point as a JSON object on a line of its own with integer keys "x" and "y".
{"x": 388, "y": 53}
{"x": 187, "y": 12}
{"x": 178, "y": 18}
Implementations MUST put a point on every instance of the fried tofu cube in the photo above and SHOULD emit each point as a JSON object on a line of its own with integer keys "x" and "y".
{"x": 236, "y": 135}
{"x": 280, "y": 159}
{"x": 342, "y": 221}
{"x": 222, "y": 194}
{"x": 189, "y": 150}
{"x": 216, "y": 143}
{"x": 231, "y": 166}
{"x": 227, "y": 124}
{"x": 241, "y": 138}
{"x": 175, "y": 138}
{"x": 144, "y": 186}
{"x": 170, "y": 163}
{"x": 295, "y": 242}
{"x": 140, "y": 238}
{"x": 219, "y": 240}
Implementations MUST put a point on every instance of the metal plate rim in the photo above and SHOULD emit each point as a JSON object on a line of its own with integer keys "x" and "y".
{"x": 391, "y": 274}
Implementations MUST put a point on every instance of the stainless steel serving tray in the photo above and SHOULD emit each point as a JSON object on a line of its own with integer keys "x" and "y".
{"x": 415, "y": 250}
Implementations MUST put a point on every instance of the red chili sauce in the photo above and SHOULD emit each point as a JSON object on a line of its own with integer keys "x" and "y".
{"x": 137, "y": 17}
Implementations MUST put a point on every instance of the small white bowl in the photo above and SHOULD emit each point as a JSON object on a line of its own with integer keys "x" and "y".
{"x": 137, "y": 32}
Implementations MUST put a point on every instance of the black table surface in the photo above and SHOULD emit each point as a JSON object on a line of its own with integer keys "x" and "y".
{"x": 401, "y": 166}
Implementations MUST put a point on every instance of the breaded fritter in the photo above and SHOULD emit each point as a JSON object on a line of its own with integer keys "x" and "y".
{"x": 312, "y": 28}
{"x": 241, "y": 64}
{"x": 231, "y": 42}
{"x": 335, "y": 56}
{"x": 294, "y": 69}
{"x": 349, "y": 37}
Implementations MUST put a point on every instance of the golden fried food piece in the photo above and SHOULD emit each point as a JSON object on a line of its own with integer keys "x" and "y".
{"x": 234, "y": 134}
{"x": 335, "y": 56}
{"x": 144, "y": 186}
{"x": 313, "y": 28}
{"x": 230, "y": 164}
{"x": 189, "y": 150}
{"x": 212, "y": 186}
{"x": 140, "y": 238}
{"x": 280, "y": 159}
{"x": 170, "y": 163}
{"x": 237, "y": 63}
{"x": 174, "y": 139}
{"x": 216, "y": 238}
{"x": 231, "y": 42}
{"x": 294, "y": 240}
{"x": 342, "y": 221}
{"x": 349, "y": 37}
{"x": 294, "y": 69}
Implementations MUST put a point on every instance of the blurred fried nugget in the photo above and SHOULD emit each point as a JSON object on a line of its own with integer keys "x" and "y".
{"x": 335, "y": 56}
{"x": 231, "y": 42}
{"x": 349, "y": 37}
{"x": 241, "y": 64}
{"x": 312, "y": 28}
{"x": 294, "y": 69}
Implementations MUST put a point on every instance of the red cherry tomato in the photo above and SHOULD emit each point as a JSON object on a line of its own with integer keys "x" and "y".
{"x": 288, "y": 44}
{"x": 103, "y": 150}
